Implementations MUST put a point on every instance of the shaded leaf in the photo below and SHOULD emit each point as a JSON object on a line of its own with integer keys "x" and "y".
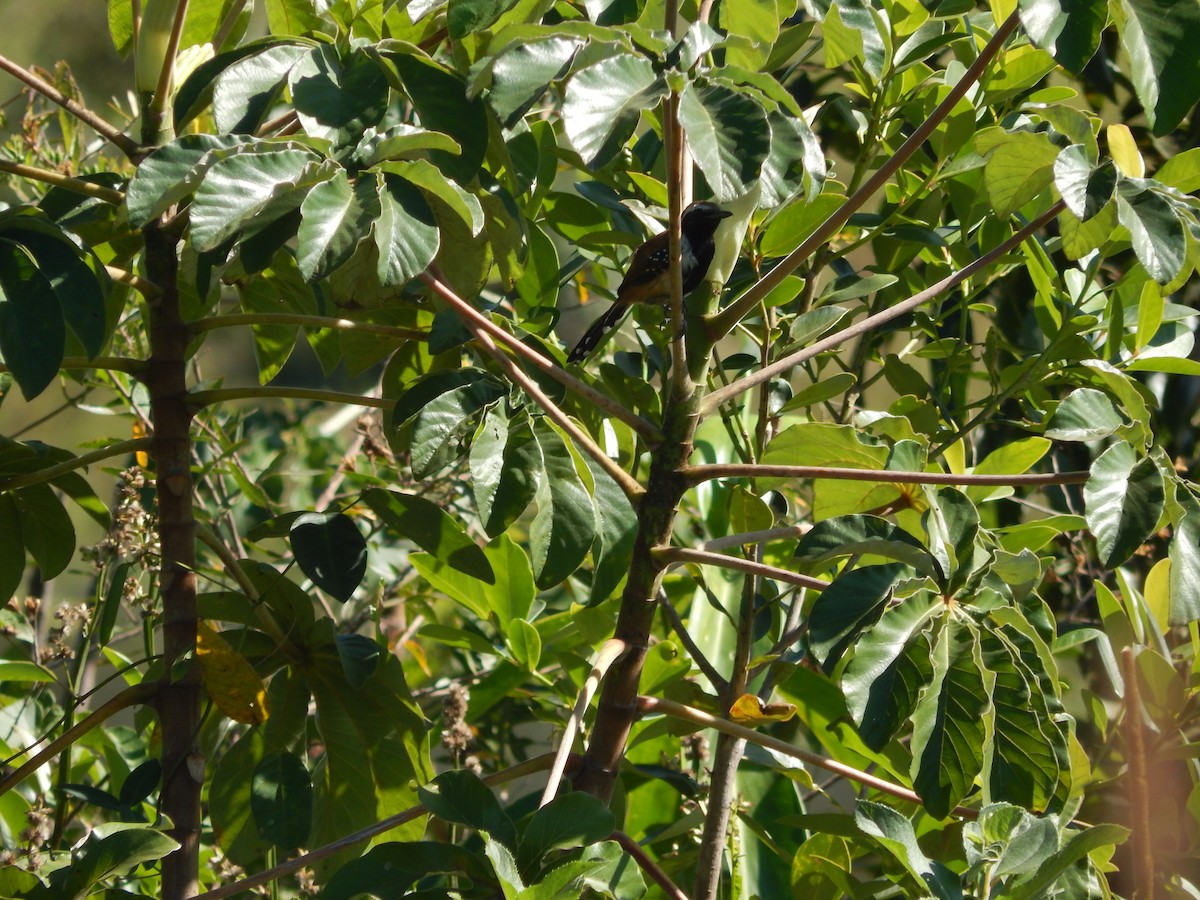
{"x": 432, "y": 529}
{"x": 331, "y": 551}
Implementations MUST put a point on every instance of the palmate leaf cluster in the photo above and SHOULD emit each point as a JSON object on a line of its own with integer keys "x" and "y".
{"x": 348, "y": 179}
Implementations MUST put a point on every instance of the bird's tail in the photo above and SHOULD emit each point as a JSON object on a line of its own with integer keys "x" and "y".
{"x": 592, "y": 337}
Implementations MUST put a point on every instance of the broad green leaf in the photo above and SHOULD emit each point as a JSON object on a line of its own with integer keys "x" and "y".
{"x": 1123, "y": 499}
{"x": 795, "y": 162}
{"x": 432, "y": 529}
{"x": 1181, "y": 171}
{"x": 1018, "y": 170}
{"x": 359, "y": 656}
{"x": 1011, "y": 458}
{"x": 953, "y": 524}
{"x": 1070, "y": 31}
{"x": 1085, "y": 188}
{"x": 237, "y": 189}
{"x": 281, "y": 800}
{"x": 796, "y": 221}
{"x": 23, "y": 671}
{"x": 890, "y": 667}
{"x": 949, "y": 733}
{"x": 112, "y": 849}
{"x": 46, "y": 528}
{"x": 246, "y": 90}
{"x": 376, "y": 750}
{"x": 1084, "y": 415}
{"x": 521, "y": 74}
{"x": 895, "y": 834}
{"x": 570, "y": 820}
{"x": 335, "y": 98}
{"x": 757, "y": 21}
{"x": 1161, "y": 40}
{"x": 1076, "y": 848}
{"x": 331, "y": 551}
{"x": 1159, "y": 238}
{"x": 728, "y": 134}
{"x": 824, "y": 444}
{"x": 604, "y": 103}
{"x": 295, "y": 16}
{"x": 616, "y": 532}
{"x": 406, "y": 232}
{"x": 446, "y": 421}
{"x": 856, "y": 534}
{"x": 460, "y": 797}
{"x": 505, "y": 866}
{"x": 601, "y": 866}
{"x": 1185, "y": 570}
{"x": 854, "y": 601}
{"x": 851, "y": 32}
{"x": 33, "y": 332}
{"x": 440, "y": 99}
{"x": 524, "y": 643}
{"x": 464, "y": 17}
{"x": 506, "y": 469}
{"x": 335, "y": 216}
{"x": 510, "y": 597}
{"x": 564, "y": 528}
{"x": 400, "y": 864}
{"x": 427, "y": 177}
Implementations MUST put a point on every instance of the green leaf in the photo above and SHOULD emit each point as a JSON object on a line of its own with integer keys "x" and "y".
{"x": 510, "y": 597}
{"x": 728, "y": 135}
{"x": 432, "y": 529}
{"x": 604, "y": 103}
{"x": 952, "y": 523}
{"x": 1159, "y": 238}
{"x": 406, "y": 232}
{"x": 524, "y": 643}
{"x": 506, "y": 469}
{"x": 440, "y": 99}
{"x": 521, "y": 74}
{"x": 23, "y": 671}
{"x": 854, "y": 601}
{"x": 246, "y": 89}
{"x": 616, "y": 532}
{"x": 446, "y": 421}
{"x": 335, "y": 216}
{"x": 359, "y": 656}
{"x": 569, "y": 820}
{"x": 464, "y": 17}
{"x": 758, "y": 21}
{"x": 237, "y": 190}
{"x": 1123, "y": 500}
{"x": 949, "y": 733}
{"x": 856, "y": 534}
{"x": 281, "y": 800}
{"x": 1185, "y": 570}
{"x": 564, "y": 528}
{"x": 1161, "y": 40}
{"x": 896, "y": 835}
{"x": 890, "y": 667}
{"x": 1084, "y": 415}
{"x": 331, "y": 551}
{"x": 427, "y": 177}
{"x": 46, "y": 528}
{"x": 78, "y": 290}
{"x": 1086, "y": 189}
{"x": 461, "y": 798}
{"x": 1018, "y": 170}
{"x": 112, "y": 849}
{"x": 33, "y": 333}
{"x": 398, "y": 865}
{"x": 1069, "y": 30}
{"x": 338, "y": 99}
{"x": 12, "y": 549}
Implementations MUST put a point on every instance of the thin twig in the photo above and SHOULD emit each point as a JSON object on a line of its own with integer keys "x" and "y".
{"x": 131, "y": 696}
{"x": 698, "y": 474}
{"x": 757, "y": 537}
{"x": 608, "y": 653}
{"x": 650, "y": 705}
{"x": 903, "y": 308}
{"x": 724, "y": 321}
{"x": 58, "y": 179}
{"x": 146, "y": 288}
{"x": 737, "y": 563}
{"x": 49, "y": 473}
{"x": 649, "y": 866}
{"x": 483, "y": 335}
{"x": 470, "y": 316}
{"x": 267, "y": 392}
{"x": 715, "y": 678}
{"x": 234, "y": 320}
{"x": 113, "y": 135}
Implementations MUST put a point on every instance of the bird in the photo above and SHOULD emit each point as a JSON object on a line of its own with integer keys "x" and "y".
{"x": 647, "y": 278}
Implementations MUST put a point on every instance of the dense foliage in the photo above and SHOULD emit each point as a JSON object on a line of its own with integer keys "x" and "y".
{"x": 869, "y": 570}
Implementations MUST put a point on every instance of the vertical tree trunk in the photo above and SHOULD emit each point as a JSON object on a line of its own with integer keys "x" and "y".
{"x": 179, "y": 694}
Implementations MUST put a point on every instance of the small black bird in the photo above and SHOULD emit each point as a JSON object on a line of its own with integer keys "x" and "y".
{"x": 647, "y": 279}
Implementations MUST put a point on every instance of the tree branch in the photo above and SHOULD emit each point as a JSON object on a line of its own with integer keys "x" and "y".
{"x": 222, "y": 395}
{"x": 211, "y": 323}
{"x": 649, "y": 705}
{"x": 737, "y": 563}
{"x": 482, "y": 323}
{"x": 121, "y": 141}
{"x": 698, "y": 474}
{"x": 723, "y": 322}
{"x": 58, "y": 179}
{"x": 15, "y": 482}
{"x": 729, "y": 391}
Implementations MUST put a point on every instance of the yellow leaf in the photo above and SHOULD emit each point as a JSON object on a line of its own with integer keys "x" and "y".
{"x": 749, "y": 710}
{"x": 229, "y": 678}
{"x": 1125, "y": 152}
